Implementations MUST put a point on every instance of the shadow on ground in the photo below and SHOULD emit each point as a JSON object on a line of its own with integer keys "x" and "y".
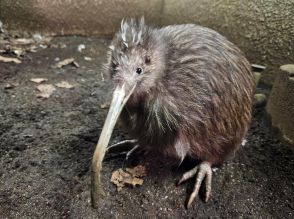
{"x": 46, "y": 146}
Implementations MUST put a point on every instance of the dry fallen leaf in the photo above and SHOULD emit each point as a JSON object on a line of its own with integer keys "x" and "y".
{"x": 7, "y": 59}
{"x": 32, "y": 48}
{"x": 45, "y": 90}
{"x": 138, "y": 171}
{"x": 22, "y": 41}
{"x": 117, "y": 179}
{"x": 38, "y": 80}
{"x": 17, "y": 51}
{"x": 81, "y": 47}
{"x": 64, "y": 62}
{"x": 134, "y": 181}
{"x": 64, "y": 84}
{"x": 131, "y": 177}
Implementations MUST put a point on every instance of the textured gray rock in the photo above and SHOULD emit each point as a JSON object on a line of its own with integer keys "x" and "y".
{"x": 280, "y": 106}
{"x": 46, "y": 147}
{"x": 87, "y": 17}
{"x": 264, "y": 30}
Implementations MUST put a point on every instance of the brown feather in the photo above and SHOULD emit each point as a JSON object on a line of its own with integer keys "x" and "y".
{"x": 194, "y": 97}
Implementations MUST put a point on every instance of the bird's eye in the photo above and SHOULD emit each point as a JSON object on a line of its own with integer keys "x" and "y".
{"x": 139, "y": 70}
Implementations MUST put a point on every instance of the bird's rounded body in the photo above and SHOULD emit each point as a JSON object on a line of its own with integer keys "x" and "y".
{"x": 180, "y": 90}
{"x": 200, "y": 103}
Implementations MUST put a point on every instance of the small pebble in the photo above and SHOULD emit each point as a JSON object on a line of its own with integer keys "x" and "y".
{"x": 88, "y": 58}
{"x": 43, "y": 46}
{"x": 257, "y": 77}
{"x": 37, "y": 37}
{"x": 244, "y": 142}
{"x": 81, "y": 47}
{"x": 259, "y": 100}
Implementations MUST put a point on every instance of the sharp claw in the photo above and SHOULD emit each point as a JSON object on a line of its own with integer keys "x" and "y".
{"x": 208, "y": 184}
{"x": 206, "y": 197}
{"x": 191, "y": 199}
{"x": 204, "y": 172}
{"x": 199, "y": 179}
{"x": 188, "y": 175}
{"x": 130, "y": 152}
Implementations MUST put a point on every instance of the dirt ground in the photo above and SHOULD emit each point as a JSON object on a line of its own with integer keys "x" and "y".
{"x": 46, "y": 146}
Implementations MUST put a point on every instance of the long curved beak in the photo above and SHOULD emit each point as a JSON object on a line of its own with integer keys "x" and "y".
{"x": 119, "y": 99}
{"x": 120, "y": 96}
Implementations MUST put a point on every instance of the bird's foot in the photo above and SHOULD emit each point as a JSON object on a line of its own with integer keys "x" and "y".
{"x": 129, "y": 146}
{"x": 202, "y": 170}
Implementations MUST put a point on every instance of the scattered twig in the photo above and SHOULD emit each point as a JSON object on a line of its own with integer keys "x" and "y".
{"x": 257, "y": 67}
{"x": 7, "y": 59}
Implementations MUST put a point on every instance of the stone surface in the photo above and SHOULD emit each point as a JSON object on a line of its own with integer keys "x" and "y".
{"x": 280, "y": 106}
{"x": 87, "y": 17}
{"x": 264, "y": 30}
{"x": 46, "y": 146}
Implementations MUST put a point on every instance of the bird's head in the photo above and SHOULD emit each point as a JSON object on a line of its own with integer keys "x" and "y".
{"x": 135, "y": 58}
{"x": 135, "y": 63}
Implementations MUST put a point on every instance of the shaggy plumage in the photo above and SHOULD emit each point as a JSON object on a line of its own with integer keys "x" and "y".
{"x": 193, "y": 97}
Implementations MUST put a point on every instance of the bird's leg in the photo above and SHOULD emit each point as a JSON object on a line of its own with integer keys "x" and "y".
{"x": 202, "y": 170}
{"x": 122, "y": 146}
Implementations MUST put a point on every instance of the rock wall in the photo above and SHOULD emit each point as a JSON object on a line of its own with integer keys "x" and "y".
{"x": 263, "y": 29}
{"x": 280, "y": 106}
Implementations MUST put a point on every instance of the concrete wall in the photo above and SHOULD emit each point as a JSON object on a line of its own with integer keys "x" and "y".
{"x": 263, "y": 29}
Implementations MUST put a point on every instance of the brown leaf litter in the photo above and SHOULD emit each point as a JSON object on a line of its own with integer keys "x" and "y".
{"x": 69, "y": 61}
{"x": 46, "y": 90}
{"x": 64, "y": 84}
{"x": 130, "y": 176}
{"x": 19, "y": 46}
{"x": 8, "y": 59}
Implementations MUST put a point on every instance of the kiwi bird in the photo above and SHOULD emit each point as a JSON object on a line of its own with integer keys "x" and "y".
{"x": 180, "y": 90}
